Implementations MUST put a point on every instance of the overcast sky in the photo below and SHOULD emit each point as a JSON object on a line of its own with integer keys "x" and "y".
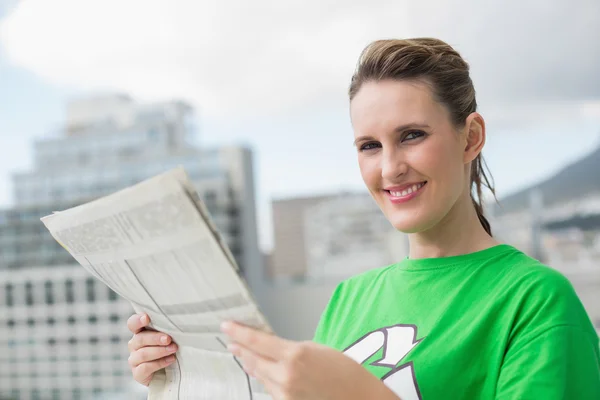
{"x": 274, "y": 74}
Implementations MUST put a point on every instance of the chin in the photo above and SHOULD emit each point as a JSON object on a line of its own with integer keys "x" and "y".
{"x": 408, "y": 225}
{"x": 410, "y": 222}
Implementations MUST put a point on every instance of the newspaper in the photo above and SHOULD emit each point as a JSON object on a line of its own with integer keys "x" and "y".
{"x": 155, "y": 245}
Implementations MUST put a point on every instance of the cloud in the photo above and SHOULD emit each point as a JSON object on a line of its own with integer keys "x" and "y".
{"x": 263, "y": 57}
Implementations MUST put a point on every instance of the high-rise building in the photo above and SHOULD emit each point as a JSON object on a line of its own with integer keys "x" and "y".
{"x": 63, "y": 335}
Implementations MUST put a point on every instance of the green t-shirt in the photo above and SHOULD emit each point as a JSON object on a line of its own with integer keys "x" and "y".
{"x": 494, "y": 324}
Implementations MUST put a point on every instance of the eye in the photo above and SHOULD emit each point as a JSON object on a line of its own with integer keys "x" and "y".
{"x": 369, "y": 146}
{"x": 414, "y": 135}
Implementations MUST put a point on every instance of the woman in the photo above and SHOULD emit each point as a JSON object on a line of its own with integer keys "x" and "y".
{"x": 463, "y": 316}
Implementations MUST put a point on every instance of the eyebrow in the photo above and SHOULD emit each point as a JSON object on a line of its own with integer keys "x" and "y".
{"x": 398, "y": 129}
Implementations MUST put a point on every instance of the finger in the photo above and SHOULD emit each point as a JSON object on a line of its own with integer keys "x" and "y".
{"x": 143, "y": 372}
{"x": 152, "y": 353}
{"x": 264, "y": 344}
{"x": 137, "y": 322}
{"x": 148, "y": 338}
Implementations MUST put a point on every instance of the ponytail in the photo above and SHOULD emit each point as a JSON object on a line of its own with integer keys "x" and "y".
{"x": 479, "y": 179}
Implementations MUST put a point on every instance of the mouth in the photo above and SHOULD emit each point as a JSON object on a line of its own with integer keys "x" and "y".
{"x": 406, "y": 193}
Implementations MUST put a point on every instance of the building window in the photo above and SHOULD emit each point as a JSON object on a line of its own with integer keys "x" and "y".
{"x": 49, "y": 296}
{"x": 31, "y": 322}
{"x": 91, "y": 294}
{"x": 50, "y": 321}
{"x": 112, "y": 295}
{"x": 51, "y": 342}
{"x": 114, "y": 318}
{"x": 29, "y": 293}
{"x": 69, "y": 291}
{"x": 71, "y": 320}
{"x": 93, "y": 340}
{"x": 10, "y": 323}
{"x": 115, "y": 339}
{"x": 92, "y": 319}
{"x": 9, "y": 295}
{"x": 72, "y": 341}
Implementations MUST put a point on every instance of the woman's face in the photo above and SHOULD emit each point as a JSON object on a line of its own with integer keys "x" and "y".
{"x": 410, "y": 155}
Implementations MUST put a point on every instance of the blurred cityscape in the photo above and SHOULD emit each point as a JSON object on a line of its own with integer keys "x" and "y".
{"x": 63, "y": 335}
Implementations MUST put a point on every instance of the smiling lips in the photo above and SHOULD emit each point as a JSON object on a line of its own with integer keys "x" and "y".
{"x": 401, "y": 194}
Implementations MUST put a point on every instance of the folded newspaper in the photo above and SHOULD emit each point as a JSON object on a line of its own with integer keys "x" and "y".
{"x": 155, "y": 245}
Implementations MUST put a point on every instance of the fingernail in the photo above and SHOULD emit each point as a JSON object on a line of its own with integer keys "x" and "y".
{"x": 171, "y": 347}
{"x": 164, "y": 339}
{"x": 226, "y": 326}
{"x": 170, "y": 359}
{"x": 144, "y": 319}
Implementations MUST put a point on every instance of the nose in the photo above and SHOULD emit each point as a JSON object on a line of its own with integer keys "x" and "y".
{"x": 393, "y": 165}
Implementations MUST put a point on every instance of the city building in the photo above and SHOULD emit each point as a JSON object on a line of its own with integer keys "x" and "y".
{"x": 123, "y": 143}
{"x": 331, "y": 237}
{"x": 63, "y": 335}
{"x": 288, "y": 259}
{"x": 52, "y": 313}
{"x": 346, "y": 235}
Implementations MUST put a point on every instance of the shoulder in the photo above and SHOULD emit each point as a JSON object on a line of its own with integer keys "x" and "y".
{"x": 534, "y": 278}
{"x": 343, "y": 300}
{"x": 541, "y": 297}
{"x": 372, "y": 277}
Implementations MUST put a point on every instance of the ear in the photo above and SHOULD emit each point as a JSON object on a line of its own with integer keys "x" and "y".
{"x": 475, "y": 137}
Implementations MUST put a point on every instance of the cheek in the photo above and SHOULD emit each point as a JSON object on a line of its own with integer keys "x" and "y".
{"x": 442, "y": 162}
{"x": 436, "y": 158}
{"x": 368, "y": 171}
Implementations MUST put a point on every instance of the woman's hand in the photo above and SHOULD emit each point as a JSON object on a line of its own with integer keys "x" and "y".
{"x": 149, "y": 350}
{"x": 302, "y": 370}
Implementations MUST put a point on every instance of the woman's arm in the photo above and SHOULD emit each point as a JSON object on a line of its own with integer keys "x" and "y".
{"x": 302, "y": 370}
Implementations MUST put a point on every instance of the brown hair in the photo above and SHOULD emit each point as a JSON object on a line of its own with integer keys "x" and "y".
{"x": 439, "y": 65}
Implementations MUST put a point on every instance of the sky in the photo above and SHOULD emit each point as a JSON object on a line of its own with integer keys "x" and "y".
{"x": 274, "y": 75}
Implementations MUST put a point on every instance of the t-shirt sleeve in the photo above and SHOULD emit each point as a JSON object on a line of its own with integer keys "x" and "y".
{"x": 562, "y": 362}
{"x": 327, "y": 320}
{"x": 553, "y": 352}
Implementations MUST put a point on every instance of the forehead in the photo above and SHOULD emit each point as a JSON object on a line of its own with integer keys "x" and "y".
{"x": 384, "y": 105}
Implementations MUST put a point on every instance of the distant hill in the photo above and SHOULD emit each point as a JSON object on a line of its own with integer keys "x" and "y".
{"x": 575, "y": 180}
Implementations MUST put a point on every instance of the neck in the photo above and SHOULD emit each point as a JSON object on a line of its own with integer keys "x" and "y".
{"x": 460, "y": 232}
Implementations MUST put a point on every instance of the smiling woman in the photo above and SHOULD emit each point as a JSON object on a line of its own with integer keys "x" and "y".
{"x": 463, "y": 316}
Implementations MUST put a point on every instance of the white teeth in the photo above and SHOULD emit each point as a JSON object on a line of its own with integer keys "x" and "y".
{"x": 408, "y": 191}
